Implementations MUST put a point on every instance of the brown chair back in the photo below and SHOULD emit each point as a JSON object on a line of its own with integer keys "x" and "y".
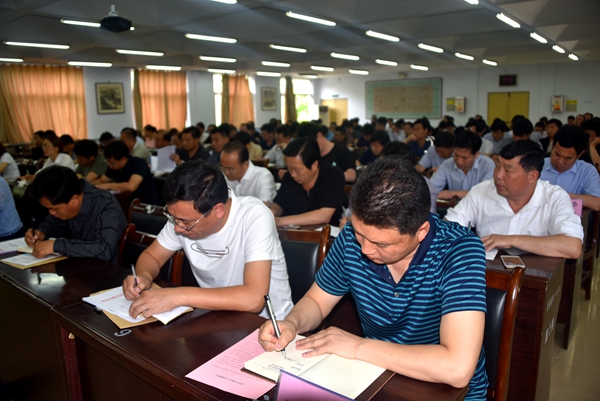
{"x": 147, "y": 218}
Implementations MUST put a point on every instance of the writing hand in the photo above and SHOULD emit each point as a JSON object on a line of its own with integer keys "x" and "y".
{"x": 154, "y": 301}
{"x": 31, "y": 237}
{"x": 132, "y": 292}
{"x": 330, "y": 341}
{"x": 268, "y": 339}
{"x": 497, "y": 241}
{"x": 43, "y": 248}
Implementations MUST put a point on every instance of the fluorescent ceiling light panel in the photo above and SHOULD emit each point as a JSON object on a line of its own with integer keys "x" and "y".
{"x": 163, "y": 67}
{"x": 464, "y": 56}
{"x": 80, "y": 23}
{"x": 419, "y": 67}
{"x": 220, "y": 71}
{"x": 268, "y": 74}
{"x": 303, "y": 17}
{"x": 571, "y": 56}
{"x": 309, "y": 76}
{"x": 320, "y": 68}
{"x": 538, "y": 37}
{"x": 359, "y": 72}
{"x": 557, "y": 48}
{"x": 218, "y": 59}
{"x": 386, "y": 62}
{"x": 383, "y": 36}
{"x": 507, "y": 20}
{"x": 140, "y": 53}
{"x": 288, "y": 48}
{"x": 226, "y": 1}
{"x": 431, "y": 48}
{"x": 489, "y": 62}
{"x": 44, "y": 45}
{"x": 11, "y": 60}
{"x": 345, "y": 56}
{"x": 275, "y": 64}
{"x": 473, "y": 2}
{"x": 89, "y": 64}
{"x": 210, "y": 38}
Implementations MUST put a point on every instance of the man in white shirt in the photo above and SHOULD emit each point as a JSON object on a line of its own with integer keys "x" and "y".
{"x": 243, "y": 177}
{"x": 231, "y": 243}
{"x": 283, "y": 136}
{"x": 518, "y": 211}
{"x": 443, "y": 147}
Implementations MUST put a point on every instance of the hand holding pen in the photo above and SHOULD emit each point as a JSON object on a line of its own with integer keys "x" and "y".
{"x": 274, "y": 321}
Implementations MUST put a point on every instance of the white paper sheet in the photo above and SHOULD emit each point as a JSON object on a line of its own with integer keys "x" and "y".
{"x": 164, "y": 162}
{"x": 12, "y": 245}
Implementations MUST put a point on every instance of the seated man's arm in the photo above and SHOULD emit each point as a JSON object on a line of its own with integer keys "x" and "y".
{"x": 102, "y": 180}
{"x": 134, "y": 182}
{"x": 350, "y": 175}
{"x": 91, "y": 176}
{"x": 49, "y": 228}
{"x": 319, "y": 216}
{"x": 589, "y": 201}
{"x": 559, "y": 245}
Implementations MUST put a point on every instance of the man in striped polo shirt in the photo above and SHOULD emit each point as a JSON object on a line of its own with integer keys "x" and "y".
{"x": 418, "y": 283}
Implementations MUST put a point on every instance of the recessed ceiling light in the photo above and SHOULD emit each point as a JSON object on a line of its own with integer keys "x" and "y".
{"x": 557, "y": 48}
{"x": 345, "y": 56}
{"x": 275, "y": 64}
{"x": 359, "y": 72}
{"x": 81, "y": 23}
{"x": 140, "y": 52}
{"x": 44, "y": 45}
{"x": 489, "y": 62}
{"x": 419, "y": 67}
{"x": 268, "y": 74}
{"x": 288, "y": 48}
{"x": 11, "y": 60}
{"x": 431, "y": 48}
{"x": 507, "y": 20}
{"x": 226, "y": 1}
{"x": 321, "y": 21}
{"x": 573, "y": 57}
{"x": 220, "y": 71}
{"x": 210, "y": 38}
{"x": 382, "y": 36}
{"x": 386, "y": 62}
{"x": 464, "y": 56}
{"x": 163, "y": 67}
{"x": 473, "y": 2}
{"x": 320, "y": 68}
{"x": 309, "y": 76}
{"x": 89, "y": 64}
{"x": 538, "y": 37}
{"x": 218, "y": 59}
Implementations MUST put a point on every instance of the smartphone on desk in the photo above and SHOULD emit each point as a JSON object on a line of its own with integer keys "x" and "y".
{"x": 510, "y": 262}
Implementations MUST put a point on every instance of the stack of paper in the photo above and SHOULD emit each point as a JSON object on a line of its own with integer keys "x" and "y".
{"x": 12, "y": 245}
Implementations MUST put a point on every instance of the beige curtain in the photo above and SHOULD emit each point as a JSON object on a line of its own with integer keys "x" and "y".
{"x": 39, "y": 97}
{"x": 290, "y": 101}
{"x": 241, "y": 108}
{"x": 163, "y": 99}
{"x": 225, "y": 118}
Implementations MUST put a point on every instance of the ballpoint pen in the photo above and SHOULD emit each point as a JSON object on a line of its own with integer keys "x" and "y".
{"x": 135, "y": 282}
{"x": 274, "y": 321}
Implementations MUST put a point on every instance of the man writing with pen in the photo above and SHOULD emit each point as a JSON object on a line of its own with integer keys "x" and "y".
{"x": 231, "y": 243}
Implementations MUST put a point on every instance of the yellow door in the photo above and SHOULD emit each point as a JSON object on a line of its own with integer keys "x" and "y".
{"x": 506, "y": 105}
{"x": 338, "y": 110}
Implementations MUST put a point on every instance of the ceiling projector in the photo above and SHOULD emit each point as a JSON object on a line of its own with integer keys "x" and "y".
{"x": 113, "y": 23}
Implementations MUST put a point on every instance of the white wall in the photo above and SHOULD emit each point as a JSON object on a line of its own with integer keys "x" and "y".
{"x": 201, "y": 98}
{"x": 113, "y": 123}
{"x": 575, "y": 80}
{"x": 262, "y": 116}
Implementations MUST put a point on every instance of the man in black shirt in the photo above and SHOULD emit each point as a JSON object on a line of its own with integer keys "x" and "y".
{"x": 331, "y": 154}
{"x": 310, "y": 193}
{"x": 86, "y": 221}
{"x": 192, "y": 149}
{"x": 127, "y": 173}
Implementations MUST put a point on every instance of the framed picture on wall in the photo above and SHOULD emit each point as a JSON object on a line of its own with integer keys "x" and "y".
{"x": 109, "y": 98}
{"x": 268, "y": 98}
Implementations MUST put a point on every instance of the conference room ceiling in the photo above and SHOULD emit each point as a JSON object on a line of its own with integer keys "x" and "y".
{"x": 160, "y": 25}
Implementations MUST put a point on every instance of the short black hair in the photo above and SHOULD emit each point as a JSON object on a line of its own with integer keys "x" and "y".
{"x": 468, "y": 140}
{"x": 150, "y": 128}
{"x": 116, "y": 150}
{"x": 532, "y": 156}
{"x": 200, "y": 124}
{"x": 347, "y": 124}
{"x": 499, "y": 125}
{"x": 480, "y": 126}
{"x": 424, "y": 122}
{"x": 399, "y": 149}
{"x": 382, "y": 120}
{"x": 58, "y": 184}
{"x": 55, "y": 141}
{"x": 572, "y": 136}
{"x": 444, "y": 139}
{"x": 49, "y": 134}
{"x": 381, "y": 137}
{"x": 522, "y": 127}
{"x": 106, "y": 136}
{"x": 239, "y": 148}
{"x": 555, "y": 121}
{"x": 197, "y": 182}
{"x": 306, "y": 148}
{"x": 129, "y": 133}
{"x": 390, "y": 193}
{"x": 284, "y": 130}
{"x": 268, "y": 127}
{"x": 192, "y": 130}
{"x": 220, "y": 130}
{"x": 309, "y": 130}
{"x": 591, "y": 125}
{"x": 66, "y": 139}
{"x": 571, "y": 118}
{"x": 243, "y": 137}
{"x": 368, "y": 129}
{"x": 86, "y": 148}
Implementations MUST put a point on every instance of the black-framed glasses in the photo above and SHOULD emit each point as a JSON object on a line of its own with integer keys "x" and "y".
{"x": 174, "y": 221}
{"x": 211, "y": 253}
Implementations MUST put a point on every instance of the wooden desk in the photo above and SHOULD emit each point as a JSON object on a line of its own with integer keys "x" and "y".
{"x": 535, "y": 327}
{"x": 103, "y": 363}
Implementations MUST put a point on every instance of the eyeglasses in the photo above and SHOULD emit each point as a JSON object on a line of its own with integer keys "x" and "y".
{"x": 227, "y": 170}
{"x": 174, "y": 221}
{"x": 211, "y": 253}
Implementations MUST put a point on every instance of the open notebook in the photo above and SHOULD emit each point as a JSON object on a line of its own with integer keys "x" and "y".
{"x": 348, "y": 377}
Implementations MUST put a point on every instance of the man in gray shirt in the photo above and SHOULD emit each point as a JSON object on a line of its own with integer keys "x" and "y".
{"x": 86, "y": 221}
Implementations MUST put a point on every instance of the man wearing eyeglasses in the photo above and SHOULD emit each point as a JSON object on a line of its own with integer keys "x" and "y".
{"x": 231, "y": 243}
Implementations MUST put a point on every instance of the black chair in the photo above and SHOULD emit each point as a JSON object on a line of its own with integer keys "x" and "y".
{"x": 147, "y": 218}
{"x": 502, "y": 295}
{"x": 590, "y": 252}
{"x": 442, "y": 205}
{"x": 134, "y": 242}
{"x": 304, "y": 252}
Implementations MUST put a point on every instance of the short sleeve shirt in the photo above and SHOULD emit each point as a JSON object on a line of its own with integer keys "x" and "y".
{"x": 339, "y": 156}
{"x": 98, "y": 167}
{"x": 419, "y": 151}
{"x": 431, "y": 159}
{"x": 449, "y": 175}
{"x": 11, "y": 172}
{"x": 201, "y": 154}
{"x": 582, "y": 178}
{"x": 146, "y": 191}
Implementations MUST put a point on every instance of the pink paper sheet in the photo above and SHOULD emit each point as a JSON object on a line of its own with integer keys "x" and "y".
{"x": 224, "y": 371}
